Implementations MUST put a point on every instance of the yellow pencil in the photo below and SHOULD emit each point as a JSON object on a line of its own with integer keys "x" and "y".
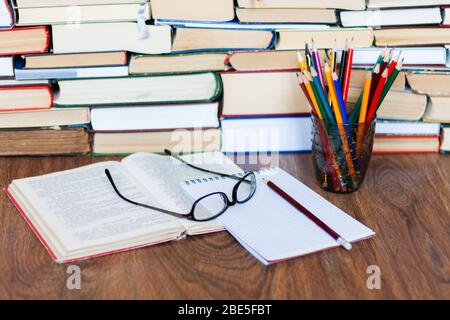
{"x": 332, "y": 91}
{"x": 340, "y": 122}
{"x": 363, "y": 112}
{"x": 301, "y": 62}
{"x": 312, "y": 96}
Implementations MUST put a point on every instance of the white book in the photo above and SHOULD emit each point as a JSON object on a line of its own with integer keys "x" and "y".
{"x": 120, "y": 36}
{"x": 163, "y": 117}
{"x": 13, "y": 83}
{"x": 66, "y": 3}
{"x": 271, "y": 228}
{"x": 391, "y": 17}
{"x": 405, "y": 3}
{"x": 411, "y": 56}
{"x": 6, "y": 15}
{"x": 83, "y": 14}
{"x": 407, "y": 128}
{"x": 198, "y": 87}
{"x": 77, "y": 215}
{"x": 6, "y": 67}
{"x": 277, "y": 134}
{"x": 71, "y": 73}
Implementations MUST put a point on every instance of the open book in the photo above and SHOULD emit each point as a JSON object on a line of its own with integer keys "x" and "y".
{"x": 77, "y": 215}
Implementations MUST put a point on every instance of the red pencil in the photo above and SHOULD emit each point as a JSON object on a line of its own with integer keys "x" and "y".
{"x": 305, "y": 92}
{"x": 375, "y": 78}
{"x": 393, "y": 64}
{"x": 340, "y": 240}
{"x": 386, "y": 60}
{"x": 376, "y": 96}
{"x": 347, "y": 74}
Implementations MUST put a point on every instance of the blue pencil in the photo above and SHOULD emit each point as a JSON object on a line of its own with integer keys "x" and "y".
{"x": 340, "y": 98}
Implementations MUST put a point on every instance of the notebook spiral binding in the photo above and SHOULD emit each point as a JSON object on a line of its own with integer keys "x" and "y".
{"x": 218, "y": 178}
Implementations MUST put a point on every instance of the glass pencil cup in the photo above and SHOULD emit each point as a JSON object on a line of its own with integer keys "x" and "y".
{"x": 341, "y": 154}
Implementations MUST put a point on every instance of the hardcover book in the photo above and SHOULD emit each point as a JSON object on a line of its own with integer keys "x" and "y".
{"x": 193, "y": 10}
{"x": 120, "y": 36}
{"x": 24, "y": 40}
{"x": 201, "y": 39}
{"x": 97, "y": 221}
{"x": 200, "y": 87}
{"x": 45, "y": 141}
{"x": 83, "y": 14}
{"x": 26, "y": 97}
{"x": 185, "y": 141}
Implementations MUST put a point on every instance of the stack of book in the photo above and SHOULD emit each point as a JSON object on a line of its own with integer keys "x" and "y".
{"x": 122, "y": 76}
{"x": 419, "y": 30}
{"x": 29, "y": 123}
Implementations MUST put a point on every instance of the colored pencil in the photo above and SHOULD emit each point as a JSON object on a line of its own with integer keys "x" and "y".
{"x": 301, "y": 62}
{"x": 305, "y": 92}
{"x": 386, "y": 60}
{"x": 363, "y": 113}
{"x": 347, "y": 74}
{"x": 338, "y": 90}
{"x": 312, "y": 96}
{"x": 393, "y": 64}
{"x": 389, "y": 83}
{"x": 333, "y": 168}
{"x": 342, "y": 64}
{"x": 318, "y": 65}
{"x": 375, "y": 78}
{"x": 323, "y": 98}
{"x": 376, "y": 97}
{"x": 340, "y": 122}
{"x": 308, "y": 56}
{"x": 357, "y": 107}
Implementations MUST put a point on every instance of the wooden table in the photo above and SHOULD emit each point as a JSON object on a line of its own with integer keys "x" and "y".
{"x": 405, "y": 199}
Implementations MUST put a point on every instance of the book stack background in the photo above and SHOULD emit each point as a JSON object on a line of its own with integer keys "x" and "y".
{"x": 122, "y": 76}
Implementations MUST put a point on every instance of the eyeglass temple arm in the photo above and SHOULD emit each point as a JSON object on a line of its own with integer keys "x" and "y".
{"x": 174, "y": 155}
{"x": 178, "y": 215}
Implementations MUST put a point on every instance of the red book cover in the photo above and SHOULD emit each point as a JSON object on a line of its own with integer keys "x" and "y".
{"x": 47, "y": 90}
{"x": 10, "y": 50}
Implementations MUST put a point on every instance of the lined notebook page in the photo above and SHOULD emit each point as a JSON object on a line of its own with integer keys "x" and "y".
{"x": 271, "y": 229}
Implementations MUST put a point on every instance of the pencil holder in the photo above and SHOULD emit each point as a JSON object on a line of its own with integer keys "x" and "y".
{"x": 341, "y": 154}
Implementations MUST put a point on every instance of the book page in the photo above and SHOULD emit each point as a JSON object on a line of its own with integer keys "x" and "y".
{"x": 163, "y": 177}
{"x": 81, "y": 209}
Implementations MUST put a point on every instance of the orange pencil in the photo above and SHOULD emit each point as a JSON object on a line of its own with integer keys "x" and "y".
{"x": 340, "y": 122}
{"x": 363, "y": 113}
{"x": 313, "y": 98}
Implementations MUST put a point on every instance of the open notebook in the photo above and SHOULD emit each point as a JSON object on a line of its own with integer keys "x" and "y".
{"x": 271, "y": 229}
{"x": 77, "y": 215}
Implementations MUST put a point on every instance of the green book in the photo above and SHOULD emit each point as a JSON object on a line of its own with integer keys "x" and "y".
{"x": 139, "y": 90}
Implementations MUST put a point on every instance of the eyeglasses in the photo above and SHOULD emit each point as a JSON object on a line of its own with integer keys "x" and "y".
{"x": 210, "y": 206}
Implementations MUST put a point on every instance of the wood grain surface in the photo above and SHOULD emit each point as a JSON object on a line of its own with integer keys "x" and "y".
{"x": 405, "y": 199}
